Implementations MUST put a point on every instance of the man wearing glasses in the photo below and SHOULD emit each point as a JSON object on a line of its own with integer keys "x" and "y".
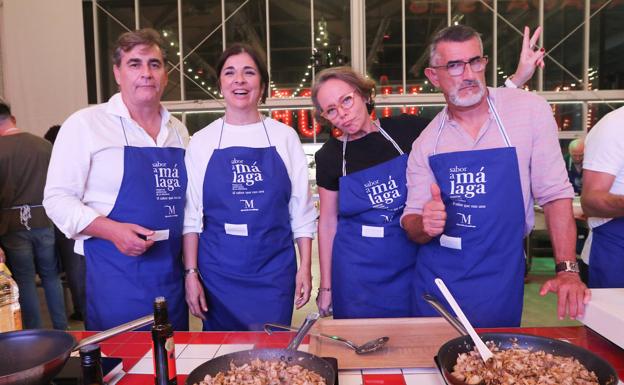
{"x": 472, "y": 176}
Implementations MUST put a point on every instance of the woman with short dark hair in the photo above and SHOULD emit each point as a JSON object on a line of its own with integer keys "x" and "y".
{"x": 248, "y": 197}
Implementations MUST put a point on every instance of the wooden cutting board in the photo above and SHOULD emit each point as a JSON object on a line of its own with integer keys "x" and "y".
{"x": 413, "y": 341}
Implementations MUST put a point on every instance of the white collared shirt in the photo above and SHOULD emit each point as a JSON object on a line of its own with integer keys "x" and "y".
{"x": 302, "y": 211}
{"x": 604, "y": 152}
{"x": 87, "y": 164}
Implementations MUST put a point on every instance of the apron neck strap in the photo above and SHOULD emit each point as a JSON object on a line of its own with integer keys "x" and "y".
{"x": 382, "y": 132}
{"x": 123, "y": 128}
{"x": 261, "y": 121}
{"x": 169, "y": 125}
{"x": 499, "y": 124}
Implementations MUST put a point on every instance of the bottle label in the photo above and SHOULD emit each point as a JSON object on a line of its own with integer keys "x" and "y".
{"x": 169, "y": 356}
{"x": 17, "y": 317}
{"x": 171, "y": 364}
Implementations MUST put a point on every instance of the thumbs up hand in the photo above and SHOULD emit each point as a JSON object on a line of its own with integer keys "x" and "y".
{"x": 434, "y": 213}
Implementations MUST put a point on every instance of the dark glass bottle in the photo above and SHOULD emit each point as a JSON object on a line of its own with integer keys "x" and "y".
{"x": 91, "y": 363}
{"x": 163, "y": 346}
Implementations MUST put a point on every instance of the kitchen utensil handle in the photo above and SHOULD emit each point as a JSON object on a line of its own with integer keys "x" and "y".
{"x": 268, "y": 326}
{"x": 444, "y": 313}
{"x": 303, "y": 330}
{"x": 484, "y": 351}
{"x": 94, "y": 339}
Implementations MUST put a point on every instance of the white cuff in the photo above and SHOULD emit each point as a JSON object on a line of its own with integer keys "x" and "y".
{"x": 509, "y": 83}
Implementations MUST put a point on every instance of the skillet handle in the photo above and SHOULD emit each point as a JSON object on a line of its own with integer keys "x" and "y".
{"x": 94, "y": 339}
{"x": 444, "y": 313}
{"x": 303, "y": 330}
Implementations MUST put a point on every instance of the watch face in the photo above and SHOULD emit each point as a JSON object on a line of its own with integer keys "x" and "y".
{"x": 567, "y": 266}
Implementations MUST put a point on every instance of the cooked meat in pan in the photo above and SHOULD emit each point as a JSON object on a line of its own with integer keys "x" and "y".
{"x": 260, "y": 372}
{"x": 521, "y": 367}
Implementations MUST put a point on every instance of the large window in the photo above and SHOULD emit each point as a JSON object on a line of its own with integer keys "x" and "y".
{"x": 202, "y": 44}
{"x": 385, "y": 39}
{"x": 606, "y": 49}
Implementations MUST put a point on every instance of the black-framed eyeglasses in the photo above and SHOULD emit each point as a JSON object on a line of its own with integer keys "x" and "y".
{"x": 344, "y": 103}
{"x": 457, "y": 67}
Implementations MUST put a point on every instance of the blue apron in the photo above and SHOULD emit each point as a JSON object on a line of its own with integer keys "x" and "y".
{"x": 606, "y": 259}
{"x": 480, "y": 255}
{"x": 246, "y": 252}
{"x": 372, "y": 258}
{"x": 121, "y": 288}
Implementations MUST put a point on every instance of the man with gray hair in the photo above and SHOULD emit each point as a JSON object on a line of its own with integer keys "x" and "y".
{"x": 472, "y": 177}
{"x": 574, "y": 164}
{"x": 116, "y": 184}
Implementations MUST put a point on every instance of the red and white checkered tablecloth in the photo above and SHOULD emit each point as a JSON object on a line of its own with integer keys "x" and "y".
{"x": 195, "y": 348}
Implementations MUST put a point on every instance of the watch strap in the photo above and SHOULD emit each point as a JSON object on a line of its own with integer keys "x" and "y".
{"x": 567, "y": 266}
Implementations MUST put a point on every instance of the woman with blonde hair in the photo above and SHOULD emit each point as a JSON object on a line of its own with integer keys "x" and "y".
{"x": 365, "y": 257}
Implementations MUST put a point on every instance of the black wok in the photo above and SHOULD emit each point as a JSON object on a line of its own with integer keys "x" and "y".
{"x": 448, "y": 353}
{"x": 290, "y": 355}
{"x": 36, "y": 356}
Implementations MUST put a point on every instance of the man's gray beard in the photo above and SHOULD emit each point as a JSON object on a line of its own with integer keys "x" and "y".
{"x": 467, "y": 101}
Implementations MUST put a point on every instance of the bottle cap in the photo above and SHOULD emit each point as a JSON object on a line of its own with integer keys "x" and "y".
{"x": 5, "y": 269}
{"x": 160, "y": 311}
{"x": 90, "y": 354}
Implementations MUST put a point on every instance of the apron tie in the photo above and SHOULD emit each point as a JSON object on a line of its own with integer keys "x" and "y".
{"x": 25, "y": 214}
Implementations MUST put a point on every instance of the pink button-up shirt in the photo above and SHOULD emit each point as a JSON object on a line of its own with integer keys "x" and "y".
{"x": 532, "y": 130}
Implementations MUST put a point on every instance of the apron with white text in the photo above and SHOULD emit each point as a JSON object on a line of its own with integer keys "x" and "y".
{"x": 480, "y": 255}
{"x": 372, "y": 258}
{"x": 246, "y": 251}
{"x": 122, "y": 288}
{"x": 606, "y": 260}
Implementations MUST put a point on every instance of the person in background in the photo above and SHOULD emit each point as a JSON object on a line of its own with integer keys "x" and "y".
{"x": 602, "y": 200}
{"x": 248, "y": 198}
{"x": 472, "y": 176}
{"x": 574, "y": 164}
{"x": 366, "y": 259}
{"x": 26, "y": 233}
{"x": 116, "y": 184}
{"x": 73, "y": 263}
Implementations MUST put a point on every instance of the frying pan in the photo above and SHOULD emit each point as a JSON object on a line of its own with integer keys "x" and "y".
{"x": 34, "y": 357}
{"x": 290, "y": 355}
{"x": 448, "y": 353}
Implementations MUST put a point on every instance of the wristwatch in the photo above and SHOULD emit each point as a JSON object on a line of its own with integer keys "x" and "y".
{"x": 567, "y": 266}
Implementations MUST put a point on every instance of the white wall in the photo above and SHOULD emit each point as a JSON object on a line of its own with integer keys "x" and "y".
{"x": 43, "y": 61}
{"x": 1, "y": 70}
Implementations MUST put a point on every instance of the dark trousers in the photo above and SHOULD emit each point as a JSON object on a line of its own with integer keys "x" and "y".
{"x": 74, "y": 267}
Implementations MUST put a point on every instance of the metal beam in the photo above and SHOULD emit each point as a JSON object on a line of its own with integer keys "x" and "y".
{"x": 358, "y": 35}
